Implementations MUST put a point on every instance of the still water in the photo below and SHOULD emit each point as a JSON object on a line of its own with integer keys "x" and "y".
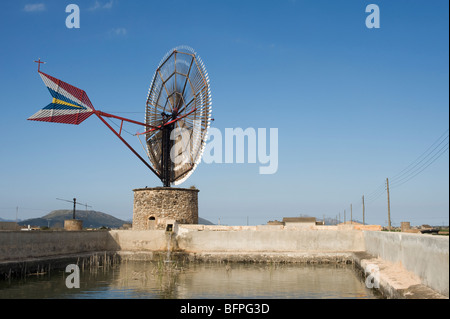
{"x": 160, "y": 280}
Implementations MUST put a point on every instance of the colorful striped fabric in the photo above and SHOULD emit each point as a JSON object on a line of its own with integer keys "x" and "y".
{"x": 70, "y": 105}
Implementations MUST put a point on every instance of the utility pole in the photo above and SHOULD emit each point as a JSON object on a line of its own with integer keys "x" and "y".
{"x": 17, "y": 212}
{"x": 351, "y": 214}
{"x": 344, "y": 216}
{"x": 389, "y": 204}
{"x": 364, "y": 220}
{"x": 74, "y": 206}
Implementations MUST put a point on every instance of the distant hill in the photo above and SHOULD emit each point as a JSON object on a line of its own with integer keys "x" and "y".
{"x": 90, "y": 218}
{"x": 202, "y": 221}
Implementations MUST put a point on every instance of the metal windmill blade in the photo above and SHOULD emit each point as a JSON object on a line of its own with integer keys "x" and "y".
{"x": 179, "y": 102}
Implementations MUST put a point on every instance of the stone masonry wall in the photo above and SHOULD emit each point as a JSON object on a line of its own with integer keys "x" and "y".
{"x": 154, "y": 207}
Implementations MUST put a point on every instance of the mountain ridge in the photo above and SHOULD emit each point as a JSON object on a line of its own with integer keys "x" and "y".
{"x": 91, "y": 219}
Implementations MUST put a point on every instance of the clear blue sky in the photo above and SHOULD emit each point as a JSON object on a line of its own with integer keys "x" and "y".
{"x": 352, "y": 105}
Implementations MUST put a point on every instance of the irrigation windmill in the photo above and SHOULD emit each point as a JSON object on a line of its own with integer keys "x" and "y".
{"x": 74, "y": 201}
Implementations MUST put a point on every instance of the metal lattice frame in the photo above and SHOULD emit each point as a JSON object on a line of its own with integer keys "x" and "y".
{"x": 179, "y": 97}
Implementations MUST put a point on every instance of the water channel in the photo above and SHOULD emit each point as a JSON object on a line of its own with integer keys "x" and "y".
{"x": 173, "y": 280}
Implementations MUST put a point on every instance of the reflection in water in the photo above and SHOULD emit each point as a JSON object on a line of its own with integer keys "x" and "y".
{"x": 159, "y": 279}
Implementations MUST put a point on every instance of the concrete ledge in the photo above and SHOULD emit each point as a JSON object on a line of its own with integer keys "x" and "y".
{"x": 395, "y": 282}
{"x": 426, "y": 256}
{"x": 280, "y": 227}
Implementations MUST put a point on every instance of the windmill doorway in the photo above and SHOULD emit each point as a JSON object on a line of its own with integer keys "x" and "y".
{"x": 151, "y": 223}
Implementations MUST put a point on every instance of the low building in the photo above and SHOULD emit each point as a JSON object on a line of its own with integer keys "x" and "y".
{"x": 275, "y": 222}
{"x": 299, "y": 221}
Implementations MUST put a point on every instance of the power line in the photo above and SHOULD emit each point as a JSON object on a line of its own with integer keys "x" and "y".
{"x": 422, "y": 168}
{"x": 374, "y": 198}
{"x": 376, "y": 193}
{"x": 427, "y": 158}
{"x": 416, "y": 165}
{"x": 22, "y": 208}
{"x": 423, "y": 161}
{"x": 402, "y": 172}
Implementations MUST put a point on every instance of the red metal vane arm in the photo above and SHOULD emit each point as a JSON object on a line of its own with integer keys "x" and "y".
{"x": 100, "y": 114}
{"x": 179, "y": 118}
{"x": 167, "y": 123}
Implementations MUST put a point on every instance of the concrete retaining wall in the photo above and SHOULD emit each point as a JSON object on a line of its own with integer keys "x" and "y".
{"x": 424, "y": 255}
{"x": 239, "y": 241}
{"x": 270, "y": 240}
{"x": 19, "y": 245}
{"x": 139, "y": 240}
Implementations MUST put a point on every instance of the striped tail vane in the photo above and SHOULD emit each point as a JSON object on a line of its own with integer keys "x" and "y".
{"x": 70, "y": 105}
